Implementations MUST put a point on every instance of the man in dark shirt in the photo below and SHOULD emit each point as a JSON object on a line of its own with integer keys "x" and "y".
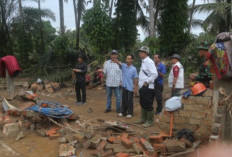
{"x": 79, "y": 73}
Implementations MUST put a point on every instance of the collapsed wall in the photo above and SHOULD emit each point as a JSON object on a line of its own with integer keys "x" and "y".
{"x": 197, "y": 114}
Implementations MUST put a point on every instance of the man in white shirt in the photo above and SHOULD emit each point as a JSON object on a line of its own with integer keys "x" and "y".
{"x": 176, "y": 76}
{"x": 113, "y": 81}
{"x": 147, "y": 75}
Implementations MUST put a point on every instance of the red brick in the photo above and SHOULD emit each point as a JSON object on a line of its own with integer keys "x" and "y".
{"x": 54, "y": 136}
{"x": 156, "y": 139}
{"x": 150, "y": 154}
{"x": 102, "y": 145}
{"x": 124, "y": 136}
{"x": 111, "y": 139}
{"x": 122, "y": 155}
{"x": 117, "y": 140}
{"x": 160, "y": 148}
{"x": 164, "y": 135}
{"x": 127, "y": 143}
{"x": 52, "y": 131}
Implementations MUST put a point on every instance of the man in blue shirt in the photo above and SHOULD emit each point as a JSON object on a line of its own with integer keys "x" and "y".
{"x": 129, "y": 85}
{"x": 159, "y": 83}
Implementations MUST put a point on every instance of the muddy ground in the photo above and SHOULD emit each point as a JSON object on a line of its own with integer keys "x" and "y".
{"x": 36, "y": 146}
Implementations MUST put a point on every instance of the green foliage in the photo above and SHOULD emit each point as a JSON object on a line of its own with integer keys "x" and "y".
{"x": 173, "y": 26}
{"x": 153, "y": 44}
{"x": 97, "y": 26}
{"x": 125, "y": 24}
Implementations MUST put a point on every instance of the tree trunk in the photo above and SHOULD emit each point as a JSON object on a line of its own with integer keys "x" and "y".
{"x": 151, "y": 19}
{"x": 228, "y": 17}
{"x": 79, "y": 22}
{"x": 75, "y": 13}
{"x": 21, "y": 11}
{"x": 61, "y": 5}
{"x": 10, "y": 85}
{"x": 41, "y": 27}
{"x": 191, "y": 16}
{"x": 111, "y": 8}
{"x": 157, "y": 9}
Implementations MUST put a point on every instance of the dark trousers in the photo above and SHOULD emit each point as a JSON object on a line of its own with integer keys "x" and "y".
{"x": 159, "y": 97}
{"x": 80, "y": 91}
{"x": 127, "y": 102}
{"x": 146, "y": 98}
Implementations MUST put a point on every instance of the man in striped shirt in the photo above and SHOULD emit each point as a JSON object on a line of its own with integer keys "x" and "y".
{"x": 113, "y": 81}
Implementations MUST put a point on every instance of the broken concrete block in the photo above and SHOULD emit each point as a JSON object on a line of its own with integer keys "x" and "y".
{"x": 66, "y": 150}
{"x": 146, "y": 145}
{"x": 156, "y": 139}
{"x": 73, "y": 143}
{"x": 137, "y": 148}
{"x": 11, "y": 129}
{"x": 41, "y": 132}
{"x": 20, "y": 136}
{"x": 107, "y": 153}
{"x": 175, "y": 145}
{"x": 79, "y": 137}
{"x": 94, "y": 142}
{"x": 69, "y": 137}
{"x": 62, "y": 140}
{"x": 102, "y": 145}
{"x": 160, "y": 148}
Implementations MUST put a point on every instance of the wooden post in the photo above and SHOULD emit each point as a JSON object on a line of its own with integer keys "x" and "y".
{"x": 10, "y": 85}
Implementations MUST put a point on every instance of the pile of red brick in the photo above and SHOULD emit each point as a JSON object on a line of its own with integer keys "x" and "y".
{"x": 126, "y": 145}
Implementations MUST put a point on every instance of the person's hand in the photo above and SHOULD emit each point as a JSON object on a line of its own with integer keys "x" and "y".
{"x": 76, "y": 70}
{"x": 135, "y": 91}
{"x": 145, "y": 84}
{"x": 73, "y": 76}
{"x": 173, "y": 88}
{"x": 120, "y": 84}
{"x": 192, "y": 77}
{"x": 161, "y": 74}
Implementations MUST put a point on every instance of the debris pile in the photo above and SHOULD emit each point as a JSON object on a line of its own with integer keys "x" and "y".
{"x": 48, "y": 87}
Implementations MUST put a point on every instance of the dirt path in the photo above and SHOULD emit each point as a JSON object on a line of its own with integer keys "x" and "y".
{"x": 36, "y": 146}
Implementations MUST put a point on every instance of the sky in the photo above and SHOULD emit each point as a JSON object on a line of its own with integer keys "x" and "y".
{"x": 53, "y": 5}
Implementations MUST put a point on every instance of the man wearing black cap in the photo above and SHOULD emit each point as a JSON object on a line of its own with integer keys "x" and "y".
{"x": 79, "y": 73}
{"x": 176, "y": 76}
{"x": 113, "y": 81}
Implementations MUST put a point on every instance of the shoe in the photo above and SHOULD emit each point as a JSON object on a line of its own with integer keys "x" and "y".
{"x": 120, "y": 114}
{"x": 106, "y": 111}
{"x": 83, "y": 103}
{"x": 150, "y": 119}
{"x": 143, "y": 117}
{"x": 79, "y": 103}
{"x": 129, "y": 116}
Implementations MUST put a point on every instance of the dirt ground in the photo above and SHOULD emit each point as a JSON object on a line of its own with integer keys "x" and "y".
{"x": 36, "y": 146}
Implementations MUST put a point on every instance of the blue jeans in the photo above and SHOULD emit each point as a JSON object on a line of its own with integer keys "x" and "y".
{"x": 117, "y": 91}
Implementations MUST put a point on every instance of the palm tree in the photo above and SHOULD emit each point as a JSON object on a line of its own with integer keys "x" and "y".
{"x": 219, "y": 18}
{"x": 79, "y": 8}
{"x": 191, "y": 16}
{"x": 21, "y": 10}
{"x": 61, "y": 8}
{"x": 151, "y": 18}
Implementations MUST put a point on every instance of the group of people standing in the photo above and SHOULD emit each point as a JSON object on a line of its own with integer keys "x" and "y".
{"x": 124, "y": 76}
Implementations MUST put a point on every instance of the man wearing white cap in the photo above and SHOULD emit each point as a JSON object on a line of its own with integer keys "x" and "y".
{"x": 176, "y": 76}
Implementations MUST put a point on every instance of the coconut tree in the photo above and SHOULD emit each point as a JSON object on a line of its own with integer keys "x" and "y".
{"x": 219, "y": 15}
{"x": 191, "y": 15}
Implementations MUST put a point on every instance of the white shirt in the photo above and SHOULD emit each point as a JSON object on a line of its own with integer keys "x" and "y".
{"x": 113, "y": 74}
{"x": 180, "y": 79}
{"x": 148, "y": 73}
